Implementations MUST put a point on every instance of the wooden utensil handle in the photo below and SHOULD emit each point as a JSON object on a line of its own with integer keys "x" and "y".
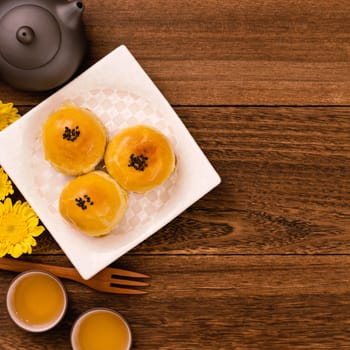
{"x": 20, "y": 266}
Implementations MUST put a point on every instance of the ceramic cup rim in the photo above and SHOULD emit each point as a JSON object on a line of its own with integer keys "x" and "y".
{"x": 10, "y": 308}
{"x": 97, "y": 309}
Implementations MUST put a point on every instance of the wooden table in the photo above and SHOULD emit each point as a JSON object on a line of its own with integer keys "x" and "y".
{"x": 262, "y": 261}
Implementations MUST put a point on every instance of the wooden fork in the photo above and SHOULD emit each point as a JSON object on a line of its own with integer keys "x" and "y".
{"x": 105, "y": 281}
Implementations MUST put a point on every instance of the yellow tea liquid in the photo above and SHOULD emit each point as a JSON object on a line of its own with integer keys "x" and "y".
{"x": 38, "y": 299}
{"x": 102, "y": 330}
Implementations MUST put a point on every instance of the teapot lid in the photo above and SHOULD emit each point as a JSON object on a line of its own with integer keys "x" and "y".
{"x": 30, "y": 36}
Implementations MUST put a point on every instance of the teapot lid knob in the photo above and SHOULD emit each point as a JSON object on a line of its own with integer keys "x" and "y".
{"x": 25, "y": 35}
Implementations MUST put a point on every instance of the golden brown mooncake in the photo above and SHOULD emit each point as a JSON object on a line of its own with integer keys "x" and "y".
{"x": 74, "y": 140}
{"x": 93, "y": 203}
{"x": 140, "y": 158}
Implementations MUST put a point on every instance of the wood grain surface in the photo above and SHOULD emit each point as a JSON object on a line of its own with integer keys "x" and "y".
{"x": 261, "y": 52}
{"x": 262, "y": 261}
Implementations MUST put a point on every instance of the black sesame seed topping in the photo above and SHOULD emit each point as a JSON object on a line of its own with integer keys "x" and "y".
{"x": 71, "y": 134}
{"x": 82, "y": 202}
{"x": 138, "y": 162}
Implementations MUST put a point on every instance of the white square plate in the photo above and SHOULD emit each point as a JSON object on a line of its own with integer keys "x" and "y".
{"x": 118, "y": 90}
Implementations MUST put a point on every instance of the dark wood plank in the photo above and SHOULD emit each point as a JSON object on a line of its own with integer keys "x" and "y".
{"x": 210, "y": 302}
{"x": 285, "y": 185}
{"x": 227, "y": 53}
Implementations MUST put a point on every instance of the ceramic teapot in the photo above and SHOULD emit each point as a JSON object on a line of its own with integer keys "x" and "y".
{"x": 42, "y": 42}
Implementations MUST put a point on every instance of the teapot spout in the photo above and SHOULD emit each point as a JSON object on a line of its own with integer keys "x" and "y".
{"x": 70, "y": 13}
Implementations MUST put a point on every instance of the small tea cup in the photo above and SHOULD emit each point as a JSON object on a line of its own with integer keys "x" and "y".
{"x": 36, "y": 300}
{"x": 101, "y": 328}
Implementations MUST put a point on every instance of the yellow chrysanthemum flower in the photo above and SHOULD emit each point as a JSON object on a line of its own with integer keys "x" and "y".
{"x": 6, "y": 187}
{"x": 18, "y": 226}
{"x": 8, "y": 114}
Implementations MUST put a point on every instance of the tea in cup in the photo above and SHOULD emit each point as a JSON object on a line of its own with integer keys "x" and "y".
{"x": 101, "y": 329}
{"x": 36, "y": 300}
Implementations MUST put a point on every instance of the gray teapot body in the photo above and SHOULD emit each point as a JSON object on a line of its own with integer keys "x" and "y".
{"x": 42, "y": 42}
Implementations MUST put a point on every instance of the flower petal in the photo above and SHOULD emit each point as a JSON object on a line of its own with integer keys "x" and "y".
{"x": 16, "y": 251}
{"x": 18, "y": 226}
